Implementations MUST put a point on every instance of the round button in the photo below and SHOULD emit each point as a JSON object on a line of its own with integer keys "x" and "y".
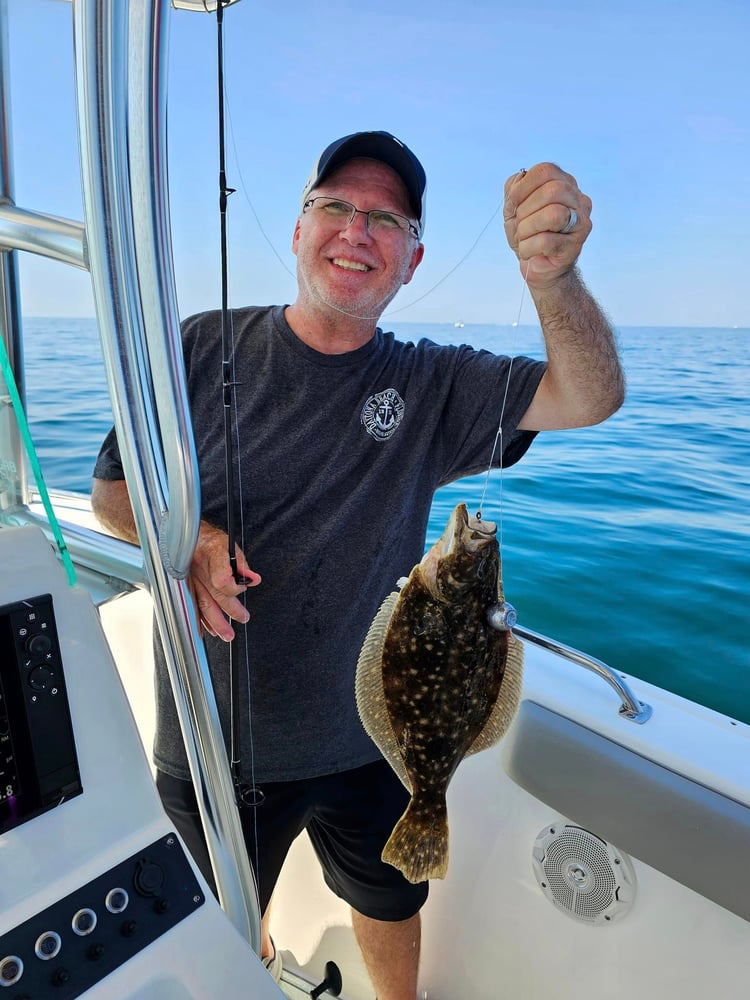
{"x": 11, "y": 970}
{"x": 41, "y": 678}
{"x": 38, "y": 644}
{"x": 48, "y": 945}
{"x": 116, "y": 900}
{"x": 84, "y": 921}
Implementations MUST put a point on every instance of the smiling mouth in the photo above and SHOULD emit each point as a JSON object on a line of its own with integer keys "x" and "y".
{"x": 350, "y": 265}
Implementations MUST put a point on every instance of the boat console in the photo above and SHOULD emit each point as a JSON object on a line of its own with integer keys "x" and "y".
{"x": 98, "y": 892}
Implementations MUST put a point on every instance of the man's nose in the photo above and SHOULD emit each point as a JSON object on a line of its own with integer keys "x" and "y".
{"x": 357, "y": 231}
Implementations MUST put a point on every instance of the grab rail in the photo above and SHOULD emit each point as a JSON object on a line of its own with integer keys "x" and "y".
{"x": 631, "y": 708}
{"x": 120, "y": 78}
{"x": 47, "y": 235}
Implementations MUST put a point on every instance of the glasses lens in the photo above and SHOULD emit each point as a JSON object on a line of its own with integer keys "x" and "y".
{"x": 334, "y": 209}
{"x": 381, "y": 221}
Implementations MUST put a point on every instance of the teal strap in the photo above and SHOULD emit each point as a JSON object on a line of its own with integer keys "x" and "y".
{"x": 23, "y": 426}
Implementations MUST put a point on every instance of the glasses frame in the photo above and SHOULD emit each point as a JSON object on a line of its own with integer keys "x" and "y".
{"x": 411, "y": 229}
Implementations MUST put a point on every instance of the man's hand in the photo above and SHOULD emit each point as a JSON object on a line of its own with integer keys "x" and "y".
{"x": 540, "y": 206}
{"x": 547, "y": 221}
{"x": 214, "y": 589}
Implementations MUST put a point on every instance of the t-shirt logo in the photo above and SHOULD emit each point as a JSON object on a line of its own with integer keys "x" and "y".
{"x": 382, "y": 413}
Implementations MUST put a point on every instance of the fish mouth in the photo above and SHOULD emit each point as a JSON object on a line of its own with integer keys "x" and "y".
{"x": 466, "y": 530}
{"x": 463, "y": 533}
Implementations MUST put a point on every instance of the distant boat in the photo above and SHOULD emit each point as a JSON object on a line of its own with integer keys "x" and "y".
{"x": 459, "y": 325}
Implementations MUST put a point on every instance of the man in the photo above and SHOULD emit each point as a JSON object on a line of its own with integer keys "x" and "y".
{"x": 344, "y": 436}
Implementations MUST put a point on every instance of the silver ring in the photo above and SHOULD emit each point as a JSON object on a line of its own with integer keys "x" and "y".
{"x": 571, "y": 223}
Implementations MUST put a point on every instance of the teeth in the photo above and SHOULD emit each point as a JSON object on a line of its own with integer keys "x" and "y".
{"x": 350, "y": 265}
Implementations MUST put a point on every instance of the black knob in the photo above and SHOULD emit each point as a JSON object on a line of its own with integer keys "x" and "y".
{"x": 331, "y": 984}
{"x": 61, "y": 977}
{"x": 129, "y": 928}
{"x": 96, "y": 951}
{"x": 38, "y": 644}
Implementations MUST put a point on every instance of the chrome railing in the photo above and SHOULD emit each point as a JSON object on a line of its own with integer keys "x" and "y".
{"x": 630, "y": 708}
{"x": 49, "y": 235}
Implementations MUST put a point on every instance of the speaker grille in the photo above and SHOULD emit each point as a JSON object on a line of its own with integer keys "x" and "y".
{"x": 583, "y": 875}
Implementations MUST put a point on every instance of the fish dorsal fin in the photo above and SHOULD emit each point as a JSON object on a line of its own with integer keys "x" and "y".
{"x": 507, "y": 702}
{"x": 369, "y": 692}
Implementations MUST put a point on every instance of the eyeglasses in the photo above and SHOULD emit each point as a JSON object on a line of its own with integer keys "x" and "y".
{"x": 342, "y": 214}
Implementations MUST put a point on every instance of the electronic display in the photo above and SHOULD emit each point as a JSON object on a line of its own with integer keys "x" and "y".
{"x": 38, "y": 763}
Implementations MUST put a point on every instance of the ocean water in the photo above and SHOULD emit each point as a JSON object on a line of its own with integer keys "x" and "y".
{"x": 629, "y": 540}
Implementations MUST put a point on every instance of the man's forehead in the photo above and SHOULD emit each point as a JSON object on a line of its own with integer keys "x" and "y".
{"x": 365, "y": 172}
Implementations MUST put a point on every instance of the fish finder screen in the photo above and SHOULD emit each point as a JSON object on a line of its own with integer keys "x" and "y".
{"x": 9, "y": 786}
{"x": 38, "y": 763}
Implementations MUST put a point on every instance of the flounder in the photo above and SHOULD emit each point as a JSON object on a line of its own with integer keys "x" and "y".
{"x": 436, "y": 682}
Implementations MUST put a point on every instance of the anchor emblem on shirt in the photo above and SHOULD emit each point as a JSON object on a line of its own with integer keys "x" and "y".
{"x": 382, "y": 413}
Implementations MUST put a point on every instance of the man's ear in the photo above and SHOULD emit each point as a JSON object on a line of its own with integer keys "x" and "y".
{"x": 416, "y": 260}
{"x": 295, "y": 236}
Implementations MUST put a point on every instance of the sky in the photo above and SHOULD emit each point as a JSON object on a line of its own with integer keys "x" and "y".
{"x": 646, "y": 104}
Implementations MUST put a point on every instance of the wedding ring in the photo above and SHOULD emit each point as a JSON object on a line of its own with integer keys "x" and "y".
{"x": 570, "y": 224}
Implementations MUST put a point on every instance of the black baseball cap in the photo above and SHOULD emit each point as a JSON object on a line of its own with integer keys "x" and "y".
{"x": 375, "y": 146}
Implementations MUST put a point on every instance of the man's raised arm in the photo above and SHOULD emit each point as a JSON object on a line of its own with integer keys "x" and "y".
{"x": 547, "y": 220}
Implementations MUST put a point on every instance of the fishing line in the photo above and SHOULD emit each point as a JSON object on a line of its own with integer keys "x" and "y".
{"x": 243, "y": 186}
{"x": 249, "y": 795}
{"x": 455, "y": 267}
{"x": 499, "y": 434}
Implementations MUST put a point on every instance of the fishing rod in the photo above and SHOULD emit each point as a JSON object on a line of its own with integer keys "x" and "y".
{"x": 227, "y": 359}
{"x": 228, "y": 386}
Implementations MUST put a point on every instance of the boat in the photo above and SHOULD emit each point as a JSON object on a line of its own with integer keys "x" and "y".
{"x": 599, "y": 852}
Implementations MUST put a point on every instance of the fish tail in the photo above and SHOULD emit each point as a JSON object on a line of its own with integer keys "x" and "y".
{"x": 418, "y": 846}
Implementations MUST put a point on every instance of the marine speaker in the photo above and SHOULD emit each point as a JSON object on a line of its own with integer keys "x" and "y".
{"x": 583, "y": 875}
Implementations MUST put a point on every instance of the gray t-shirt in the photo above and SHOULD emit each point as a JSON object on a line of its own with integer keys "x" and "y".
{"x": 337, "y": 458}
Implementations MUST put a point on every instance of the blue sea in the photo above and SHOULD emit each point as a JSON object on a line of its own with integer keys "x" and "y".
{"x": 630, "y": 540}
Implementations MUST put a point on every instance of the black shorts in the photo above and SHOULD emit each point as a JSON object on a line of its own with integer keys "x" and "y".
{"x": 348, "y": 816}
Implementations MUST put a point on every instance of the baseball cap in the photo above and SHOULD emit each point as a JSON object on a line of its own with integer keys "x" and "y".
{"x": 375, "y": 146}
